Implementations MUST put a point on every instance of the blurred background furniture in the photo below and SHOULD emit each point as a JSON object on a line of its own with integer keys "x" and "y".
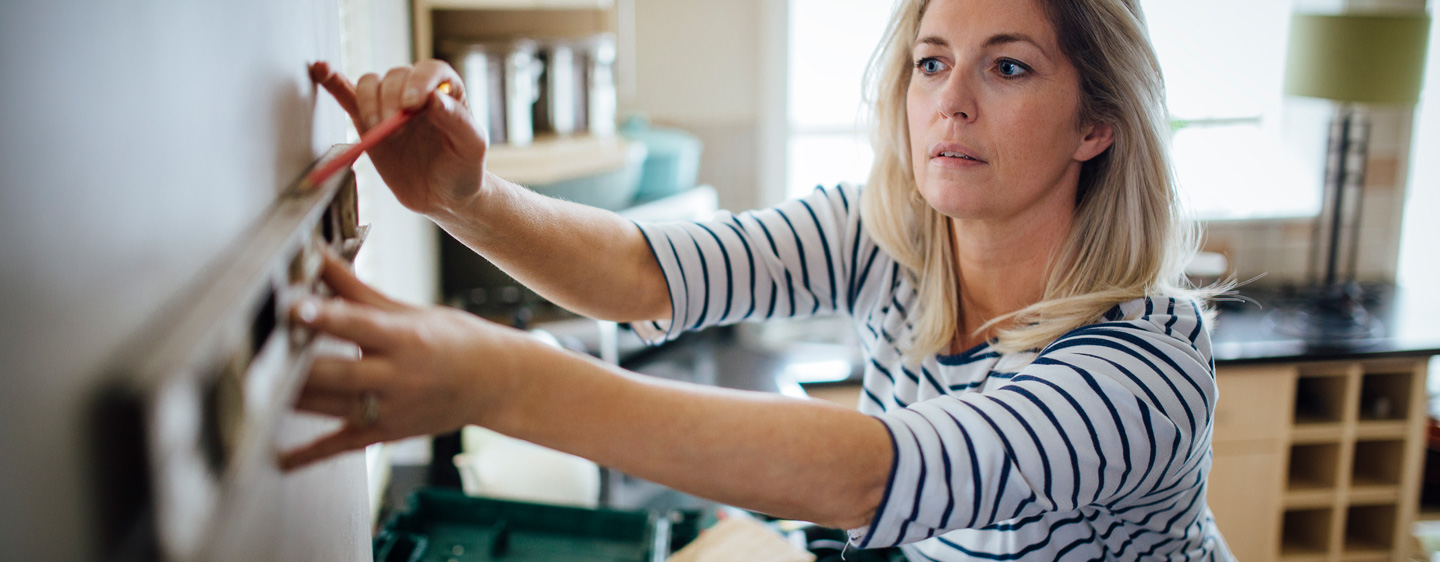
{"x": 1353, "y": 60}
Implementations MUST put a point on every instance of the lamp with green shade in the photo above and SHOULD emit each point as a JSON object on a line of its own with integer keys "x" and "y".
{"x": 1351, "y": 59}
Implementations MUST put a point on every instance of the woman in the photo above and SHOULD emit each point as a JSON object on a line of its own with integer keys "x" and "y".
{"x": 1039, "y": 383}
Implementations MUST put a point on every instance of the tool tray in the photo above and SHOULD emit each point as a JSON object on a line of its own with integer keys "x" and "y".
{"x": 444, "y": 525}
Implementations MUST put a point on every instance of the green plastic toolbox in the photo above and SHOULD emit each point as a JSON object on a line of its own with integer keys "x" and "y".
{"x": 444, "y": 525}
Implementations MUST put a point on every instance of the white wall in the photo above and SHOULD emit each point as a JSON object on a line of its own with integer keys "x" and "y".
{"x": 697, "y": 60}
{"x": 401, "y": 256}
{"x": 699, "y": 66}
{"x": 138, "y": 141}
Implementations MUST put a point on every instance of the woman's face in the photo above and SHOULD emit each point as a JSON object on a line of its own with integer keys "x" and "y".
{"x": 992, "y": 110}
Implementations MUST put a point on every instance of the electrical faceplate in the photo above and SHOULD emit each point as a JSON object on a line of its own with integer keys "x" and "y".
{"x": 192, "y": 416}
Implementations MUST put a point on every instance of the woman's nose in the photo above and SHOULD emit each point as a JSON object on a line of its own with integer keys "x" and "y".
{"x": 956, "y": 100}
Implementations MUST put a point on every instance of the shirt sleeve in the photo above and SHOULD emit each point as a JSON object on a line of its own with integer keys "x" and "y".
{"x": 791, "y": 260}
{"x": 1112, "y": 414}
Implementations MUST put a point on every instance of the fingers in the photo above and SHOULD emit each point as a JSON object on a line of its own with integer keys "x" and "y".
{"x": 428, "y": 76}
{"x": 373, "y": 99}
{"x": 365, "y": 325}
{"x": 347, "y": 376}
{"x": 336, "y": 273}
{"x": 390, "y": 91}
{"x": 455, "y": 120}
{"x": 334, "y": 404}
{"x": 348, "y": 438}
{"x": 319, "y": 71}
{"x": 367, "y": 100}
{"x": 339, "y": 87}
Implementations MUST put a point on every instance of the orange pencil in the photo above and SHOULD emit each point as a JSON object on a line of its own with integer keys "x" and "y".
{"x": 371, "y": 138}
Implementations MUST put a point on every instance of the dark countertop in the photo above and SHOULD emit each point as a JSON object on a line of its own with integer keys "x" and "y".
{"x": 1244, "y": 333}
{"x": 1249, "y": 332}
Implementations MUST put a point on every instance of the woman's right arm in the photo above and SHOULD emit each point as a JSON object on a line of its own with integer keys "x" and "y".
{"x": 588, "y": 260}
{"x": 585, "y": 259}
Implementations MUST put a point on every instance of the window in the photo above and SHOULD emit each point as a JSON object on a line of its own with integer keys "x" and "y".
{"x": 830, "y": 41}
{"x": 1241, "y": 149}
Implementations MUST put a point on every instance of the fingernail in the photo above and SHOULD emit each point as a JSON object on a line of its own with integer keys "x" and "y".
{"x": 410, "y": 96}
{"x": 372, "y": 120}
{"x": 307, "y": 311}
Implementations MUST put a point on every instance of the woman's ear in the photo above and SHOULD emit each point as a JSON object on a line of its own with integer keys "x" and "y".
{"x": 1097, "y": 138}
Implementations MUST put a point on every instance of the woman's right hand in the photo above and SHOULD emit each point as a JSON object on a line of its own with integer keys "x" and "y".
{"x": 436, "y": 162}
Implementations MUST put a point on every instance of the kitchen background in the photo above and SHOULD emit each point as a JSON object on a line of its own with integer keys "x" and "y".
{"x": 772, "y": 89}
{"x": 142, "y": 140}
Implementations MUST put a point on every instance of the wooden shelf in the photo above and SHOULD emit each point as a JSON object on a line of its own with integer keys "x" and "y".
{"x": 1313, "y": 432}
{"x": 1374, "y": 430}
{"x": 1301, "y": 486}
{"x": 1369, "y": 494}
{"x": 1382, "y": 556}
{"x": 437, "y": 22}
{"x": 1315, "y": 498}
{"x": 553, "y": 159}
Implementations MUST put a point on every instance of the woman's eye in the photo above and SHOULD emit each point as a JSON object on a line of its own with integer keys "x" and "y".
{"x": 929, "y": 65}
{"x": 1010, "y": 68}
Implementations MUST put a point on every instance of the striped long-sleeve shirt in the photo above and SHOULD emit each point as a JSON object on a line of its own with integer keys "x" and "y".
{"x": 1096, "y": 447}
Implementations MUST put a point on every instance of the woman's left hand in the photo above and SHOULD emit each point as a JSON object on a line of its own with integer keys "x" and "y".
{"x": 422, "y": 370}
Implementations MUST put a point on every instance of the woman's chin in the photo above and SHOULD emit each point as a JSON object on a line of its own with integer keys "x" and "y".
{"x": 956, "y": 201}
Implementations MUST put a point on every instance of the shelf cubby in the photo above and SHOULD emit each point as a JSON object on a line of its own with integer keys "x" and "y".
{"x": 1377, "y": 463}
{"x": 1305, "y": 531}
{"x": 1385, "y": 396}
{"x": 1320, "y": 399}
{"x": 1369, "y": 529}
{"x": 1313, "y": 467}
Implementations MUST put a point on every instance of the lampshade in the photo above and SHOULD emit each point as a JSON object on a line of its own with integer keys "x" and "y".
{"x": 1363, "y": 58}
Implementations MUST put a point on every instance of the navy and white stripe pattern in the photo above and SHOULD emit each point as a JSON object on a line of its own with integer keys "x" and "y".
{"x": 1094, "y": 448}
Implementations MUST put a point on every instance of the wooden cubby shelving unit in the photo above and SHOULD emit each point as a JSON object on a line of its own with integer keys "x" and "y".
{"x": 1319, "y": 461}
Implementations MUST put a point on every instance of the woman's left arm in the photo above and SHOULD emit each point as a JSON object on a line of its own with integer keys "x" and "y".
{"x": 433, "y": 369}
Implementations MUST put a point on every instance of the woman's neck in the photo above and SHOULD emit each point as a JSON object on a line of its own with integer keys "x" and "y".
{"x": 1003, "y": 267}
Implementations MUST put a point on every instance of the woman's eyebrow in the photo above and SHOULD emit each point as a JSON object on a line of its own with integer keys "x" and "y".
{"x": 1004, "y": 38}
{"x": 931, "y": 40}
{"x": 994, "y": 40}
{"x": 1008, "y": 38}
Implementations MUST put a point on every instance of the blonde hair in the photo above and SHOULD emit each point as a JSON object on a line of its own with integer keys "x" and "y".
{"x": 1128, "y": 238}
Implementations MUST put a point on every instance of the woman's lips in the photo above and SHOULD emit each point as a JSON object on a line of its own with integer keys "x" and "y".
{"x": 953, "y": 155}
{"x": 945, "y": 161}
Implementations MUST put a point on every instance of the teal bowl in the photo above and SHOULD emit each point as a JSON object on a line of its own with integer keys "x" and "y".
{"x": 612, "y": 189}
